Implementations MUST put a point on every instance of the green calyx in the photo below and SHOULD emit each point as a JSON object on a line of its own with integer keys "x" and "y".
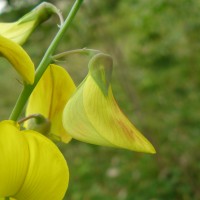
{"x": 100, "y": 68}
{"x": 39, "y": 123}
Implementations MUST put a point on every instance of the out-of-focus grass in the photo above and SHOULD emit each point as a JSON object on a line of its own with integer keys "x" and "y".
{"x": 155, "y": 46}
{"x": 9, "y": 88}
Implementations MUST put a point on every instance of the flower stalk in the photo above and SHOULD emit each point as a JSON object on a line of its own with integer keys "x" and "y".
{"x": 27, "y": 90}
{"x": 84, "y": 51}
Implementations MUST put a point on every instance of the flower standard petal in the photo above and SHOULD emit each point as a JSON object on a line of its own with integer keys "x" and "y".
{"x": 47, "y": 176}
{"x": 49, "y": 98}
{"x": 18, "y": 58}
{"x": 104, "y": 122}
{"x": 14, "y": 154}
{"x": 32, "y": 167}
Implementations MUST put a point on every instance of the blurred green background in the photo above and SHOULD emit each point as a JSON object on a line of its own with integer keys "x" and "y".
{"x": 156, "y": 81}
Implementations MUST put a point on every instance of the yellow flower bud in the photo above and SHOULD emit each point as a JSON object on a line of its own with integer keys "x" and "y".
{"x": 20, "y": 30}
{"x": 92, "y": 114}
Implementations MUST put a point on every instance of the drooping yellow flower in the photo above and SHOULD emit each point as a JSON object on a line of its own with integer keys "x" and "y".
{"x": 92, "y": 114}
{"x": 18, "y": 58}
{"x": 49, "y": 98}
{"x": 20, "y": 30}
{"x": 32, "y": 167}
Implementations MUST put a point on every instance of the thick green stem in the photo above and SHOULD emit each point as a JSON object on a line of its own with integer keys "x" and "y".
{"x": 44, "y": 62}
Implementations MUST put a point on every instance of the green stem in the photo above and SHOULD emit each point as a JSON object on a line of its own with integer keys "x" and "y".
{"x": 27, "y": 90}
{"x": 7, "y": 198}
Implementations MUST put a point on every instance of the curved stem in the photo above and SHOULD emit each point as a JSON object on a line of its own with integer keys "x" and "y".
{"x": 38, "y": 117}
{"x": 27, "y": 90}
{"x": 84, "y": 51}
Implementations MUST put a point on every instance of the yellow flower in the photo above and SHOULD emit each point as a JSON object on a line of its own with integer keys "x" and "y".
{"x": 20, "y": 30}
{"x": 18, "y": 58}
{"x": 49, "y": 98}
{"x": 32, "y": 167}
{"x": 92, "y": 114}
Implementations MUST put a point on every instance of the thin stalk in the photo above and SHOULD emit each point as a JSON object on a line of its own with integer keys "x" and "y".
{"x": 35, "y": 116}
{"x": 84, "y": 51}
{"x": 27, "y": 90}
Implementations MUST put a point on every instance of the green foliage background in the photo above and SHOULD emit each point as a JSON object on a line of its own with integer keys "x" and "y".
{"x": 156, "y": 80}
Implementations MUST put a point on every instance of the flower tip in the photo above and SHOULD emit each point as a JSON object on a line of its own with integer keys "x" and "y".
{"x": 30, "y": 78}
{"x": 150, "y": 149}
{"x": 144, "y": 145}
{"x": 27, "y": 70}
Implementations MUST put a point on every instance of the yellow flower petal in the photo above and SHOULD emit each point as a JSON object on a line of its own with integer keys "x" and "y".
{"x": 18, "y": 58}
{"x": 49, "y": 98}
{"x": 92, "y": 114}
{"x": 16, "y": 32}
{"x": 47, "y": 176}
{"x": 14, "y": 153}
{"x": 20, "y": 30}
{"x": 5, "y": 199}
{"x": 31, "y": 167}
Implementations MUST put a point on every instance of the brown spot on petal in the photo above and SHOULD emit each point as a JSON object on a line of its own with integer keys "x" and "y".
{"x": 126, "y": 129}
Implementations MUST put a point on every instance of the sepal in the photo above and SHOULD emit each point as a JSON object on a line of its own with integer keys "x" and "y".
{"x": 100, "y": 68}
